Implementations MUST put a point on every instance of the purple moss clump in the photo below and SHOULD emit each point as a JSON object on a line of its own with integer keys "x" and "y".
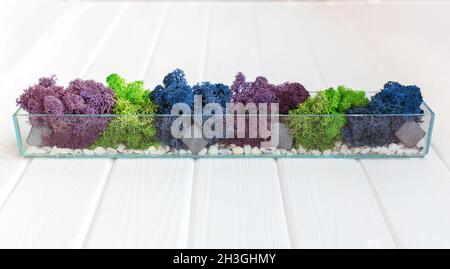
{"x": 378, "y": 130}
{"x": 287, "y": 95}
{"x": 175, "y": 89}
{"x": 81, "y": 97}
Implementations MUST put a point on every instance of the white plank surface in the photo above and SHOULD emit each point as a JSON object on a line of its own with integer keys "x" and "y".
{"x": 146, "y": 204}
{"x": 332, "y": 207}
{"x": 416, "y": 196}
{"x": 237, "y": 204}
{"x": 232, "y": 43}
{"x": 51, "y": 203}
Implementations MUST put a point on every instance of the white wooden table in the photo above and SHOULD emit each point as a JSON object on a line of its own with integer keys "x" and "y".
{"x": 288, "y": 203}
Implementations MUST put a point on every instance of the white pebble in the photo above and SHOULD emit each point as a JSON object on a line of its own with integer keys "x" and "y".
{"x": 247, "y": 149}
{"x": 384, "y": 150}
{"x": 393, "y": 147}
{"x": 54, "y": 151}
{"x": 327, "y": 152}
{"x": 99, "y": 151}
{"x": 337, "y": 144}
{"x": 225, "y": 151}
{"x": 77, "y": 151}
{"x": 213, "y": 150}
{"x": 410, "y": 151}
{"x": 203, "y": 151}
{"x": 365, "y": 150}
{"x": 88, "y": 152}
{"x": 356, "y": 150}
{"x": 62, "y": 151}
{"x": 238, "y": 151}
{"x": 375, "y": 149}
{"x": 40, "y": 151}
{"x": 315, "y": 152}
{"x": 152, "y": 150}
{"x": 344, "y": 148}
{"x": 256, "y": 151}
{"x": 301, "y": 150}
{"x": 111, "y": 151}
{"x": 294, "y": 151}
{"x": 267, "y": 151}
{"x": 182, "y": 152}
{"x": 138, "y": 151}
{"x": 160, "y": 151}
{"x": 120, "y": 147}
{"x": 127, "y": 151}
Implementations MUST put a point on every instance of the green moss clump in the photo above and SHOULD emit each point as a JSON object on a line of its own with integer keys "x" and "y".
{"x": 321, "y": 132}
{"x": 135, "y": 132}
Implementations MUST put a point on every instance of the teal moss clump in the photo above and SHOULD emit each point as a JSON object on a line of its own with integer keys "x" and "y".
{"x": 321, "y": 132}
{"x": 132, "y": 130}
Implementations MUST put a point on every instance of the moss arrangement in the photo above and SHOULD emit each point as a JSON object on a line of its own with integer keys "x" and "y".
{"x": 321, "y": 132}
{"x": 327, "y": 115}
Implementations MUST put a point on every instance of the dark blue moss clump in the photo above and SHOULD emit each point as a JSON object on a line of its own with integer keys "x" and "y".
{"x": 213, "y": 93}
{"x": 175, "y": 89}
{"x": 378, "y": 130}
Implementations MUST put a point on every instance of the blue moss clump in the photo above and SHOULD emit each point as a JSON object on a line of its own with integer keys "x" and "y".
{"x": 213, "y": 93}
{"x": 175, "y": 89}
{"x": 378, "y": 130}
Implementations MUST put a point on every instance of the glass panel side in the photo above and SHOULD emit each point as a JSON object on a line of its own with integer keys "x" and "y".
{"x": 224, "y": 136}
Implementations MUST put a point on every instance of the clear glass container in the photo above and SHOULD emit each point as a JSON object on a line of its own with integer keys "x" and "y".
{"x": 224, "y": 136}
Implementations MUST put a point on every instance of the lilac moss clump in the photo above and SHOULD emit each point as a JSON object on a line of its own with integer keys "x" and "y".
{"x": 175, "y": 89}
{"x": 81, "y": 97}
{"x": 378, "y": 130}
{"x": 287, "y": 95}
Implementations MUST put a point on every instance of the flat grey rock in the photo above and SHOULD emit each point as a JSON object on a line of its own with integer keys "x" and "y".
{"x": 285, "y": 140}
{"x": 195, "y": 145}
{"x": 410, "y": 133}
{"x": 35, "y": 136}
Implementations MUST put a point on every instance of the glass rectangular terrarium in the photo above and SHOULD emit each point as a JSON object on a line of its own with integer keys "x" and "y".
{"x": 224, "y": 136}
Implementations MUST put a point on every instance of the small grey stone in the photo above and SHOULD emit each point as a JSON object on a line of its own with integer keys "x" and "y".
{"x": 35, "y": 136}
{"x": 195, "y": 145}
{"x": 285, "y": 139}
{"x": 410, "y": 133}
